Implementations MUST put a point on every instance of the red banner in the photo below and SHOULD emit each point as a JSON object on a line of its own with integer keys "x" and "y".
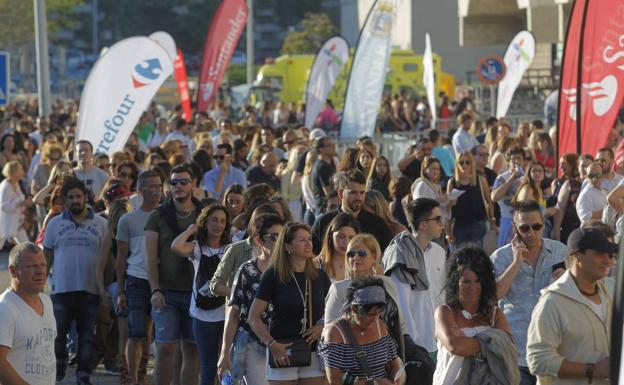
{"x": 183, "y": 89}
{"x": 591, "y": 95}
{"x": 225, "y": 30}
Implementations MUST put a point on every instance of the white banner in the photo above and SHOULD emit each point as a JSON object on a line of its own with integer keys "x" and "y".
{"x": 119, "y": 88}
{"x": 368, "y": 72}
{"x": 518, "y": 58}
{"x": 429, "y": 78}
{"x": 328, "y": 63}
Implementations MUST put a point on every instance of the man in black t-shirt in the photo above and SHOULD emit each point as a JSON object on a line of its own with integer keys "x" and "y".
{"x": 410, "y": 164}
{"x": 323, "y": 170}
{"x": 265, "y": 172}
{"x": 351, "y": 189}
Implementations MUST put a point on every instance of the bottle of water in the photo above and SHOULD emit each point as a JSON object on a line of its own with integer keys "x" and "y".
{"x": 226, "y": 379}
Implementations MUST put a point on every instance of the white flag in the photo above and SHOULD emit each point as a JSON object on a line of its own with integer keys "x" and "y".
{"x": 429, "y": 78}
{"x": 518, "y": 58}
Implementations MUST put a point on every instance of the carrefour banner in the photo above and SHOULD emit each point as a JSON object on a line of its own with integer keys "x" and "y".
{"x": 592, "y": 78}
{"x": 225, "y": 30}
{"x": 328, "y": 63}
{"x": 368, "y": 72}
{"x": 518, "y": 58}
{"x": 119, "y": 88}
{"x": 429, "y": 78}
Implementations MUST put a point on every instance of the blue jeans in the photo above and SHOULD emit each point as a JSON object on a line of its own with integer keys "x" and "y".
{"x": 470, "y": 234}
{"x": 526, "y": 378}
{"x": 81, "y": 307}
{"x": 174, "y": 322}
{"x": 208, "y": 336}
{"x": 138, "y": 295}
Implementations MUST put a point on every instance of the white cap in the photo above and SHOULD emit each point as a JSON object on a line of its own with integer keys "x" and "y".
{"x": 317, "y": 134}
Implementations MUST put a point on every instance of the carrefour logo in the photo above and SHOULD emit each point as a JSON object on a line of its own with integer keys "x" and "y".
{"x": 146, "y": 72}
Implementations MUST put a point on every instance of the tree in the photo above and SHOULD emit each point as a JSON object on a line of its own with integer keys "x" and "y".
{"x": 315, "y": 29}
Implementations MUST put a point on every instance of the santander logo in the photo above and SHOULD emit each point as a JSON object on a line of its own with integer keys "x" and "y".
{"x": 602, "y": 95}
{"x": 146, "y": 72}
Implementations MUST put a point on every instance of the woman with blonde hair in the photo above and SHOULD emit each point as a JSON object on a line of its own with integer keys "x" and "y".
{"x": 296, "y": 289}
{"x": 375, "y": 203}
{"x": 340, "y": 231}
{"x": 473, "y": 208}
{"x": 12, "y": 203}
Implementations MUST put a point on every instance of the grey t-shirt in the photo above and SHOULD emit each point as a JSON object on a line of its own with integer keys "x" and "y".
{"x": 131, "y": 229}
{"x": 95, "y": 179}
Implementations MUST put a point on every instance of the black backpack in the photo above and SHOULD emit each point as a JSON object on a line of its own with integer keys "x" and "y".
{"x": 205, "y": 299}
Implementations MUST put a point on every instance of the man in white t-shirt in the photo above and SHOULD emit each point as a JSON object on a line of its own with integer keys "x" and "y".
{"x": 93, "y": 177}
{"x": 592, "y": 199}
{"x": 27, "y": 323}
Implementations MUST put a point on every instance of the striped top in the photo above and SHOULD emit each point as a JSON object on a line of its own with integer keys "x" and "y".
{"x": 342, "y": 356}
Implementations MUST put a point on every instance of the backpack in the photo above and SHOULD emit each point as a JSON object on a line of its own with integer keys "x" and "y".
{"x": 205, "y": 299}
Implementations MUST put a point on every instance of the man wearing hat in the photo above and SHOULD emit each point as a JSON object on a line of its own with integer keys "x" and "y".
{"x": 569, "y": 334}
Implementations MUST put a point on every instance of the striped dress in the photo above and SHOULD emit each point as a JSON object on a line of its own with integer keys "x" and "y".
{"x": 342, "y": 356}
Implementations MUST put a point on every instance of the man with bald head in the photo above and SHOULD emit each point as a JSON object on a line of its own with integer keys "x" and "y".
{"x": 593, "y": 198}
{"x": 265, "y": 171}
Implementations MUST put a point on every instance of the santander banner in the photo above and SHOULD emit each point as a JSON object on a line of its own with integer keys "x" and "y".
{"x": 328, "y": 63}
{"x": 183, "y": 88}
{"x": 591, "y": 95}
{"x": 518, "y": 58}
{"x": 225, "y": 30}
{"x": 119, "y": 88}
{"x": 368, "y": 72}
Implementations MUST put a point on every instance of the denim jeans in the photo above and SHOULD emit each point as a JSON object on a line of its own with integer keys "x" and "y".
{"x": 470, "y": 234}
{"x": 174, "y": 322}
{"x": 208, "y": 336}
{"x": 526, "y": 378}
{"x": 81, "y": 307}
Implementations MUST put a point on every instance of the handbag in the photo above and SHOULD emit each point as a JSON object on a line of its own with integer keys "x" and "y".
{"x": 300, "y": 352}
{"x": 361, "y": 354}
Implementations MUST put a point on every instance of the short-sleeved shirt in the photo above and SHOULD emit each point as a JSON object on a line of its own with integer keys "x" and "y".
{"x": 76, "y": 248}
{"x": 233, "y": 176}
{"x": 30, "y": 338}
{"x": 255, "y": 175}
{"x": 131, "y": 229}
{"x": 287, "y": 301}
{"x": 524, "y": 292}
{"x": 244, "y": 291}
{"x": 505, "y": 204}
{"x": 174, "y": 272}
{"x": 590, "y": 200}
{"x": 322, "y": 173}
{"x": 94, "y": 179}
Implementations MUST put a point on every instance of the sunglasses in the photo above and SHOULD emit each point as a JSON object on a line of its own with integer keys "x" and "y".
{"x": 464, "y": 163}
{"x": 373, "y": 308}
{"x": 220, "y": 157}
{"x": 272, "y": 237}
{"x": 183, "y": 182}
{"x": 360, "y": 253}
{"x": 594, "y": 176}
{"x": 534, "y": 227}
{"x": 126, "y": 175}
{"x": 437, "y": 219}
{"x": 483, "y": 154}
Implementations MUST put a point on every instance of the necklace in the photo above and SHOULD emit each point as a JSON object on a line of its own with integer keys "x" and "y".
{"x": 183, "y": 216}
{"x": 305, "y": 303}
{"x": 467, "y": 314}
{"x": 584, "y": 292}
{"x": 354, "y": 325}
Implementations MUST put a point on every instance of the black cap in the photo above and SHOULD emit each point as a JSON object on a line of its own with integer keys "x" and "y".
{"x": 591, "y": 238}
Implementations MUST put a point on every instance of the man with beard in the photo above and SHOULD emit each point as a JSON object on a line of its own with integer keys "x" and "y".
{"x": 351, "y": 189}
{"x": 71, "y": 246}
{"x": 171, "y": 280}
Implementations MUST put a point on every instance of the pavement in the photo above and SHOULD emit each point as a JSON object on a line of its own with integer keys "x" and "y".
{"x": 98, "y": 377}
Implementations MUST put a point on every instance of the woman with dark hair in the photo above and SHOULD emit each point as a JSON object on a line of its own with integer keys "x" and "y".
{"x": 9, "y": 151}
{"x": 566, "y": 189}
{"x": 366, "y": 299}
{"x": 379, "y": 176}
{"x": 281, "y": 206}
{"x": 204, "y": 160}
{"x": 128, "y": 172}
{"x": 212, "y": 232}
{"x": 296, "y": 289}
{"x": 340, "y": 231}
{"x": 470, "y": 309}
{"x": 428, "y": 185}
{"x": 364, "y": 161}
{"x": 545, "y": 152}
{"x": 233, "y": 199}
{"x": 399, "y": 191}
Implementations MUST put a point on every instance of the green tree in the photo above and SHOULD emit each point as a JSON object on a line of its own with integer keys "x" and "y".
{"x": 315, "y": 29}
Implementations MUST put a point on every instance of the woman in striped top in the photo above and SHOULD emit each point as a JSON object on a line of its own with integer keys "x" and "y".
{"x": 367, "y": 299}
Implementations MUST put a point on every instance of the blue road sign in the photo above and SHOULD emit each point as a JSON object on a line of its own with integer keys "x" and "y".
{"x": 491, "y": 69}
{"x": 5, "y": 78}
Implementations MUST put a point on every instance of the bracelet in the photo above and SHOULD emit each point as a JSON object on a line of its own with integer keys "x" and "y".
{"x": 157, "y": 291}
{"x": 589, "y": 372}
{"x": 271, "y": 343}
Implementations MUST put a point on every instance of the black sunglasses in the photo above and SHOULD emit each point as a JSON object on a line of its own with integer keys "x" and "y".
{"x": 437, "y": 219}
{"x": 464, "y": 162}
{"x": 534, "y": 227}
{"x": 183, "y": 182}
{"x": 360, "y": 253}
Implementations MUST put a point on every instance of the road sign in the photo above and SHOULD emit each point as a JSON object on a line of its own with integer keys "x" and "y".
{"x": 491, "y": 69}
{"x": 5, "y": 78}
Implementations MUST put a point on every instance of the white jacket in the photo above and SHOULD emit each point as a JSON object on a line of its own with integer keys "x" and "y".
{"x": 565, "y": 326}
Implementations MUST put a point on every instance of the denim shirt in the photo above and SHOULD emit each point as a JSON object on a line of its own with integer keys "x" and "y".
{"x": 525, "y": 290}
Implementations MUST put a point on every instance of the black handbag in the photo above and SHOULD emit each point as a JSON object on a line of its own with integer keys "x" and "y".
{"x": 300, "y": 352}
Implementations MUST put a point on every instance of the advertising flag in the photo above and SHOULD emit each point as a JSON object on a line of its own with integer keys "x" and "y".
{"x": 518, "y": 58}
{"x": 429, "y": 78}
{"x": 368, "y": 72}
{"x": 183, "y": 88}
{"x": 328, "y": 63}
{"x": 592, "y": 78}
{"x": 119, "y": 88}
{"x": 225, "y": 30}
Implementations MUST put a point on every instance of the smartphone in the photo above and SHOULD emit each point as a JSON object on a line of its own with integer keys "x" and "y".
{"x": 560, "y": 265}
{"x": 516, "y": 233}
{"x": 519, "y": 170}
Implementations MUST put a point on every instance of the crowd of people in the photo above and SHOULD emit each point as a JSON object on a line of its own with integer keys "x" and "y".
{"x": 250, "y": 250}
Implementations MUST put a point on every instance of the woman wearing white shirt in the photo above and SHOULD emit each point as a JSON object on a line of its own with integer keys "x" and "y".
{"x": 12, "y": 203}
{"x": 428, "y": 185}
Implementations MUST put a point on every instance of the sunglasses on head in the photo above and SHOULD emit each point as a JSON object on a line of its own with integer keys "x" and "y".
{"x": 373, "y": 308}
{"x": 360, "y": 253}
{"x": 534, "y": 227}
{"x": 183, "y": 182}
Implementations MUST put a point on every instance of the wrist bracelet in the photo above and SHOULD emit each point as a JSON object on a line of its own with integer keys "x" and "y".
{"x": 157, "y": 291}
{"x": 589, "y": 372}
{"x": 271, "y": 343}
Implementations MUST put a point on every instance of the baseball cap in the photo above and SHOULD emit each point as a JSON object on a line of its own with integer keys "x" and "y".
{"x": 317, "y": 134}
{"x": 591, "y": 238}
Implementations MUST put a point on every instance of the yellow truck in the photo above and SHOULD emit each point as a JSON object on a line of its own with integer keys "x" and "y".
{"x": 287, "y": 75}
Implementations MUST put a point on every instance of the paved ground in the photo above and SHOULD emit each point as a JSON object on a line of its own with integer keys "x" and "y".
{"x": 98, "y": 377}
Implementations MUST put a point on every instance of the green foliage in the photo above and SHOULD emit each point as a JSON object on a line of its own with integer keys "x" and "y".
{"x": 237, "y": 73}
{"x": 315, "y": 29}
